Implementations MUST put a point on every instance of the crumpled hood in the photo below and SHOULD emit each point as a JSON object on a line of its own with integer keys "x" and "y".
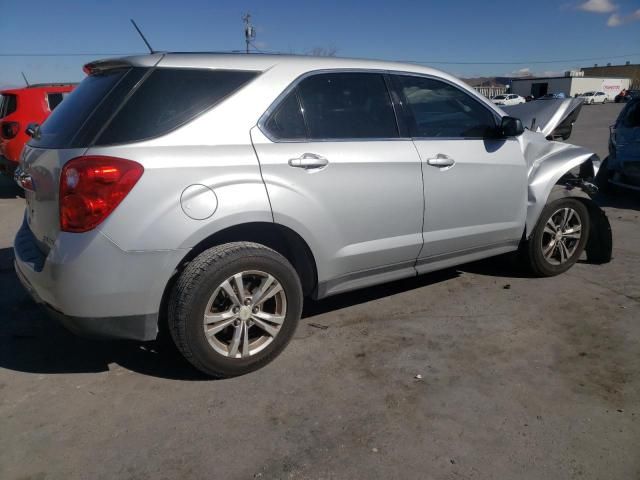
{"x": 545, "y": 116}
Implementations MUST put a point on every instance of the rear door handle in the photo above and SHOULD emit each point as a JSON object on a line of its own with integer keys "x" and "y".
{"x": 441, "y": 161}
{"x": 309, "y": 160}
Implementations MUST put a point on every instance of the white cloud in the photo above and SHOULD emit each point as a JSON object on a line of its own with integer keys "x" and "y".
{"x": 522, "y": 72}
{"x": 598, "y": 6}
{"x": 616, "y": 20}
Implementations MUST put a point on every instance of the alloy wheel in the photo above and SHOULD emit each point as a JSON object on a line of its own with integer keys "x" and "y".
{"x": 561, "y": 236}
{"x": 244, "y": 314}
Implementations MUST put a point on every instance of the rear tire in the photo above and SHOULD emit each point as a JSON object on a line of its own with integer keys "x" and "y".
{"x": 223, "y": 315}
{"x": 559, "y": 238}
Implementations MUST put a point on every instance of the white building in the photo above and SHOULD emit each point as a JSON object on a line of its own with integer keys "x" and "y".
{"x": 571, "y": 84}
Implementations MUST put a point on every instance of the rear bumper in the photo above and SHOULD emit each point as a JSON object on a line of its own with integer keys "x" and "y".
{"x": 133, "y": 327}
{"x": 92, "y": 286}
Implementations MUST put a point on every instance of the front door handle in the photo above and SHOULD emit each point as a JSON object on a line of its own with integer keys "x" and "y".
{"x": 309, "y": 160}
{"x": 441, "y": 161}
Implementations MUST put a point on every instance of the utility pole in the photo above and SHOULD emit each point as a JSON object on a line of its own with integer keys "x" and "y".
{"x": 249, "y": 31}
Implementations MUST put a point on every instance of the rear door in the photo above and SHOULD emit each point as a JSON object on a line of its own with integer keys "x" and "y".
{"x": 338, "y": 172}
{"x": 475, "y": 185}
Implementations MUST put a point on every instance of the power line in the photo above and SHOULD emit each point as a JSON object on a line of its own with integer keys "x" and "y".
{"x": 521, "y": 62}
{"x": 419, "y": 62}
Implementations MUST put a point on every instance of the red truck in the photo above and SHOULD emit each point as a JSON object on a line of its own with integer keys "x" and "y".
{"x": 18, "y": 108}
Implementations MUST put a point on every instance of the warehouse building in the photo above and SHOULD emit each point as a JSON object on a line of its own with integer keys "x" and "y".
{"x": 628, "y": 70}
{"x": 571, "y": 84}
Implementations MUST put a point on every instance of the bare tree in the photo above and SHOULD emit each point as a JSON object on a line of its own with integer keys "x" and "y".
{"x": 323, "y": 52}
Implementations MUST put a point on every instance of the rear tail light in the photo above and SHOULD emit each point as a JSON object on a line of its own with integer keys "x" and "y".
{"x": 91, "y": 187}
{"x": 9, "y": 129}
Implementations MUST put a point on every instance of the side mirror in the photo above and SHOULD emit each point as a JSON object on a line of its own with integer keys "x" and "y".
{"x": 33, "y": 130}
{"x": 511, "y": 127}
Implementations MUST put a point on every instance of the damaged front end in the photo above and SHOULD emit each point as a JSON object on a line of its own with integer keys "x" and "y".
{"x": 557, "y": 169}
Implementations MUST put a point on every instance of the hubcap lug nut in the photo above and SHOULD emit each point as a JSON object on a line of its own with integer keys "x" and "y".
{"x": 247, "y": 301}
{"x": 255, "y": 309}
{"x": 236, "y": 309}
{"x": 236, "y": 323}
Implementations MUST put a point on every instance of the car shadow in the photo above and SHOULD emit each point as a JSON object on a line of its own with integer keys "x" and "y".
{"x": 8, "y": 188}
{"x": 32, "y": 342}
{"x": 620, "y": 198}
{"x": 507, "y": 265}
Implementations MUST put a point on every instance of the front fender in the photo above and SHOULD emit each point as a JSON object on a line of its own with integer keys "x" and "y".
{"x": 548, "y": 163}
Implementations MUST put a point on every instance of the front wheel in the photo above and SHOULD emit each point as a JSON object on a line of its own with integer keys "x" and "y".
{"x": 559, "y": 237}
{"x": 234, "y": 308}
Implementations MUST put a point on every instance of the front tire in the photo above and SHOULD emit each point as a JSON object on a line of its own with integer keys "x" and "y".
{"x": 234, "y": 308}
{"x": 559, "y": 237}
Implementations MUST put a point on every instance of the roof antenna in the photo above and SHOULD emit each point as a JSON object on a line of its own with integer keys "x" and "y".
{"x": 151, "y": 50}
{"x": 25, "y": 79}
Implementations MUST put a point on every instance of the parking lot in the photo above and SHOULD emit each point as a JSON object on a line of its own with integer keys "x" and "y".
{"x": 475, "y": 372}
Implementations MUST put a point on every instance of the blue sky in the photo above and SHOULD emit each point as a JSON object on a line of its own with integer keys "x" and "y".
{"x": 518, "y": 33}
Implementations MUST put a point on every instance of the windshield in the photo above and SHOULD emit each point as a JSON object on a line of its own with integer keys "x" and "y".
{"x": 588, "y": 94}
{"x": 499, "y": 97}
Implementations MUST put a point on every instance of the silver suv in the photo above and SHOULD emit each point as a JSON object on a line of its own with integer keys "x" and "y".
{"x": 217, "y": 191}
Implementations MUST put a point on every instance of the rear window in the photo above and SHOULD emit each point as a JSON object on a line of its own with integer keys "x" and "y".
{"x": 169, "y": 98}
{"x": 8, "y": 105}
{"x": 129, "y": 105}
{"x": 76, "y": 121}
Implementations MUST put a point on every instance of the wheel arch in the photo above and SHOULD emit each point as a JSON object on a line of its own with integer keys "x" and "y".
{"x": 275, "y": 236}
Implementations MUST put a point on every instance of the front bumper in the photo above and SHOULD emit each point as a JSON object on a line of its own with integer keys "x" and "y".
{"x": 92, "y": 286}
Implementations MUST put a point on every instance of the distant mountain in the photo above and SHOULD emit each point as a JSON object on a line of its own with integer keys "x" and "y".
{"x": 491, "y": 81}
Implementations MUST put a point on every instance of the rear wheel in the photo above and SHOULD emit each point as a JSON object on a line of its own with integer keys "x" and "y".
{"x": 234, "y": 308}
{"x": 559, "y": 238}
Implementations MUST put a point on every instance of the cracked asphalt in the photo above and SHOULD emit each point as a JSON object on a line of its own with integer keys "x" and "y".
{"x": 474, "y": 372}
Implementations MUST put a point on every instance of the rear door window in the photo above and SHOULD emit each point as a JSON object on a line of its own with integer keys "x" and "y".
{"x": 169, "y": 98}
{"x": 346, "y": 105}
{"x": 54, "y": 99}
{"x": 439, "y": 110}
{"x": 287, "y": 122}
{"x": 8, "y": 105}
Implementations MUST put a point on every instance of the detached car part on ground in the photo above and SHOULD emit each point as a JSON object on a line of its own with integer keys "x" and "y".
{"x": 622, "y": 167}
{"x": 216, "y": 191}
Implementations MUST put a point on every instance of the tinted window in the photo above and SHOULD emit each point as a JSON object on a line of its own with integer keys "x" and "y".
{"x": 631, "y": 117}
{"x": 286, "y": 122}
{"x": 74, "y": 116}
{"x": 438, "y": 109}
{"x": 8, "y": 105}
{"x": 347, "y": 105}
{"x": 169, "y": 98}
{"x": 54, "y": 100}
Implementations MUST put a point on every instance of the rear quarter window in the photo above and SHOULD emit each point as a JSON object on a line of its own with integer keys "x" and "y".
{"x": 76, "y": 121}
{"x": 168, "y": 99}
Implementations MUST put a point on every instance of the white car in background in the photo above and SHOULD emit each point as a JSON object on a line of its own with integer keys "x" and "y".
{"x": 508, "y": 99}
{"x": 594, "y": 97}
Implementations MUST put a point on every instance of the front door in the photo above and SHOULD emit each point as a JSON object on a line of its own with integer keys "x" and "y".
{"x": 475, "y": 185}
